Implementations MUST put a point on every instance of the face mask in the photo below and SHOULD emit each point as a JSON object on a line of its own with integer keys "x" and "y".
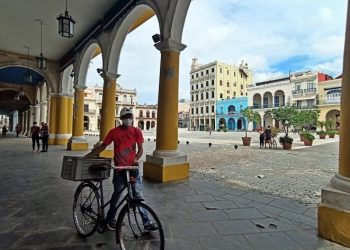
{"x": 127, "y": 122}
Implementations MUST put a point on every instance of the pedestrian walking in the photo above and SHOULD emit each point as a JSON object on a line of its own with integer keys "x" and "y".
{"x": 261, "y": 132}
{"x": 268, "y": 133}
{"x": 34, "y": 134}
{"x": 18, "y": 129}
{"x": 4, "y": 130}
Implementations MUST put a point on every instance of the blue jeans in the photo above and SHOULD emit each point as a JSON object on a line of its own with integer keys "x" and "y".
{"x": 119, "y": 182}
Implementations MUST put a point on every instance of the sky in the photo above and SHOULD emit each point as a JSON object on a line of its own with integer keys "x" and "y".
{"x": 274, "y": 37}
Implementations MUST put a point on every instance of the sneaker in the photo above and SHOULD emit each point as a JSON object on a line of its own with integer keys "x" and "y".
{"x": 151, "y": 227}
{"x": 112, "y": 225}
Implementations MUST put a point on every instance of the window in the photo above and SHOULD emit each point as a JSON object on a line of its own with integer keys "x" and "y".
{"x": 207, "y": 71}
{"x": 207, "y": 83}
{"x": 241, "y": 93}
{"x": 196, "y": 86}
{"x": 220, "y": 82}
{"x": 221, "y": 95}
{"x": 147, "y": 114}
{"x": 202, "y": 110}
{"x": 228, "y": 72}
{"x": 192, "y": 98}
{"x": 131, "y": 100}
{"x": 212, "y": 70}
{"x": 220, "y": 70}
{"x": 196, "y": 110}
{"x": 212, "y": 94}
{"x": 207, "y": 109}
{"x": 234, "y": 93}
{"x": 201, "y": 85}
{"x": 212, "y": 108}
{"x": 227, "y": 92}
{"x": 153, "y": 114}
{"x": 141, "y": 113}
{"x": 228, "y": 97}
{"x": 192, "y": 110}
{"x": 116, "y": 98}
{"x": 196, "y": 97}
{"x": 310, "y": 103}
{"x": 125, "y": 99}
{"x": 241, "y": 86}
{"x": 192, "y": 76}
{"x": 277, "y": 101}
{"x": 86, "y": 107}
{"x": 234, "y": 73}
{"x": 192, "y": 87}
{"x": 202, "y": 73}
{"x": 241, "y": 74}
{"x": 202, "y": 96}
{"x": 207, "y": 95}
{"x": 228, "y": 84}
{"x": 196, "y": 74}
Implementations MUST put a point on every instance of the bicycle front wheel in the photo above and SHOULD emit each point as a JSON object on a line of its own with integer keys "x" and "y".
{"x": 86, "y": 209}
{"x": 138, "y": 227}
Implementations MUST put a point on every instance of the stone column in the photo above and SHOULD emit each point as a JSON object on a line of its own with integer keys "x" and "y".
{"x": 108, "y": 109}
{"x": 31, "y": 116}
{"x": 52, "y": 119}
{"x": 334, "y": 209}
{"x": 24, "y": 123}
{"x": 78, "y": 141}
{"x": 37, "y": 114}
{"x": 15, "y": 120}
{"x": 43, "y": 112}
{"x": 62, "y": 116}
{"x": 166, "y": 164}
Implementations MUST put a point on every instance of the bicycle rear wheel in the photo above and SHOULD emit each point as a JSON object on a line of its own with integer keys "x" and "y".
{"x": 131, "y": 232}
{"x": 86, "y": 209}
{"x": 274, "y": 144}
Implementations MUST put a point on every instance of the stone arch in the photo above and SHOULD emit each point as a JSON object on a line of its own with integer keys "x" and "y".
{"x": 119, "y": 33}
{"x": 82, "y": 64}
{"x": 241, "y": 123}
{"x": 16, "y": 90}
{"x": 267, "y": 99}
{"x": 231, "y": 124}
{"x": 333, "y": 115}
{"x": 222, "y": 123}
{"x": 279, "y": 98}
{"x": 231, "y": 109}
{"x": 153, "y": 124}
{"x": 67, "y": 76}
{"x": 148, "y": 125}
{"x": 257, "y": 100}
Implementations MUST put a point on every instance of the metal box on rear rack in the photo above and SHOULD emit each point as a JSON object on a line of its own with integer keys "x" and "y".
{"x": 77, "y": 168}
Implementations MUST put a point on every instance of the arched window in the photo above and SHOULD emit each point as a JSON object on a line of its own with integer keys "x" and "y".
{"x": 231, "y": 109}
{"x": 153, "y": 114}
{"x": 125, "y": 99}
{"x": 147, "y": 114}
{"x": 141, "y": 113}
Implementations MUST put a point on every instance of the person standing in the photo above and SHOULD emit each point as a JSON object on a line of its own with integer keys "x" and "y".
{"x": 34, "y": 134}
{"x": 18, "y": 129}
{"x": 4, "y": 130}
{"x": 261, "y": 132}
{"x": 126, "y": 138}
{"x": 44, "y": 131}
{"x": 268, "y": 133}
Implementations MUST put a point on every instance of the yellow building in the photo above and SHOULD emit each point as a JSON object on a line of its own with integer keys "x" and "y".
{"x": 212, "y": 82}
{"x": 329, "y": 93}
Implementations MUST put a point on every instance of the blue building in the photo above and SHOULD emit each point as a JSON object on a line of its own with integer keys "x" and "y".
{"x": 228, "y": 113}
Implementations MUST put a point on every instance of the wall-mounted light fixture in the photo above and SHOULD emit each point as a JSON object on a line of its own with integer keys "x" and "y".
{"x": 66, "y": 24}
{"x": 156, "y": 38}
{"x": 41, "y": 61}
{"x": 100, "y": 72}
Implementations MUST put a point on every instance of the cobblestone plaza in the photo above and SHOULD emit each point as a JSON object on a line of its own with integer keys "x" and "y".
{"x": 244, "y": 198}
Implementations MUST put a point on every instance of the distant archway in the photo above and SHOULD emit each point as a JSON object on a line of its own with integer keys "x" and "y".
{"x": 231, "y": 125}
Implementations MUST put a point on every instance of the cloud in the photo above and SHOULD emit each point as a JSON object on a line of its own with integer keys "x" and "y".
{"x": 273, "y": 37}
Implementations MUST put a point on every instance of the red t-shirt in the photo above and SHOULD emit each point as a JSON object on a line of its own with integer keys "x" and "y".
{"x": 124, "y": 140}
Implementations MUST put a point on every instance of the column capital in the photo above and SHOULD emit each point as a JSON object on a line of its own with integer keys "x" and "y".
{"x": 79, "y": 87}
{"x": 111, "y": 75}
{"x": 170, "y": 45}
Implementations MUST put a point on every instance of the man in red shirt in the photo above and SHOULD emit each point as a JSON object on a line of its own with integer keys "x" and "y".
{"x": 125, "y": 139}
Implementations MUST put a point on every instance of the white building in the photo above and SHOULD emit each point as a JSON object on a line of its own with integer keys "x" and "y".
{"x": 146, "y": 116}
{"x": 263, "y": 96}
{"x": 184, "y": 113}
{"x": 211, "y": 82}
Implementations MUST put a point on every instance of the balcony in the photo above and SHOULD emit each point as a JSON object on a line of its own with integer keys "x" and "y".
{"x": 329, "y": 101}
{"x": 304, "y": 92}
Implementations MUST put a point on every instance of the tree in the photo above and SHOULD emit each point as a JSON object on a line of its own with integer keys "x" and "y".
{"x": 306, "y": 118}
{"x": 286, "y": 115}
{"x": 251, "y": 116}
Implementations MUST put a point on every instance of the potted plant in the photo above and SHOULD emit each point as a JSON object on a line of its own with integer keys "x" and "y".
{"x": 302, "y": 135}
{"x": 251, "y": 116}
{"x": 331, "y": 133}
{"x": 322, "y": 134}
{"x": 286, "y": 142}
{"x": 308, "y": 139}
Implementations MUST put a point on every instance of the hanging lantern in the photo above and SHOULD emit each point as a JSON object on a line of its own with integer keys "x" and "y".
{"x": 27, "y": 76}
{"x": 66, "y": 24}
{"x": 41, "y": 61}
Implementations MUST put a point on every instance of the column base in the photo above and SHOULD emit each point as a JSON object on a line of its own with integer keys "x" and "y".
{"x": 77, "y": 143}
{"x": 334, "y": 215}
{"x": 166, "y": 169}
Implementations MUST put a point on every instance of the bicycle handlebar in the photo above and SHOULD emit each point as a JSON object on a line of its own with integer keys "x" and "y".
{"x": 105, "y": 166}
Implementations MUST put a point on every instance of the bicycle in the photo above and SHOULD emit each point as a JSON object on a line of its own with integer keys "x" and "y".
{"x": 89, "y": 211}
{"x": 274, "y": 143}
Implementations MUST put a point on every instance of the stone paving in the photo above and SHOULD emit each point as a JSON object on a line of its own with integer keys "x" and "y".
{"x": 199, "y": 213}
